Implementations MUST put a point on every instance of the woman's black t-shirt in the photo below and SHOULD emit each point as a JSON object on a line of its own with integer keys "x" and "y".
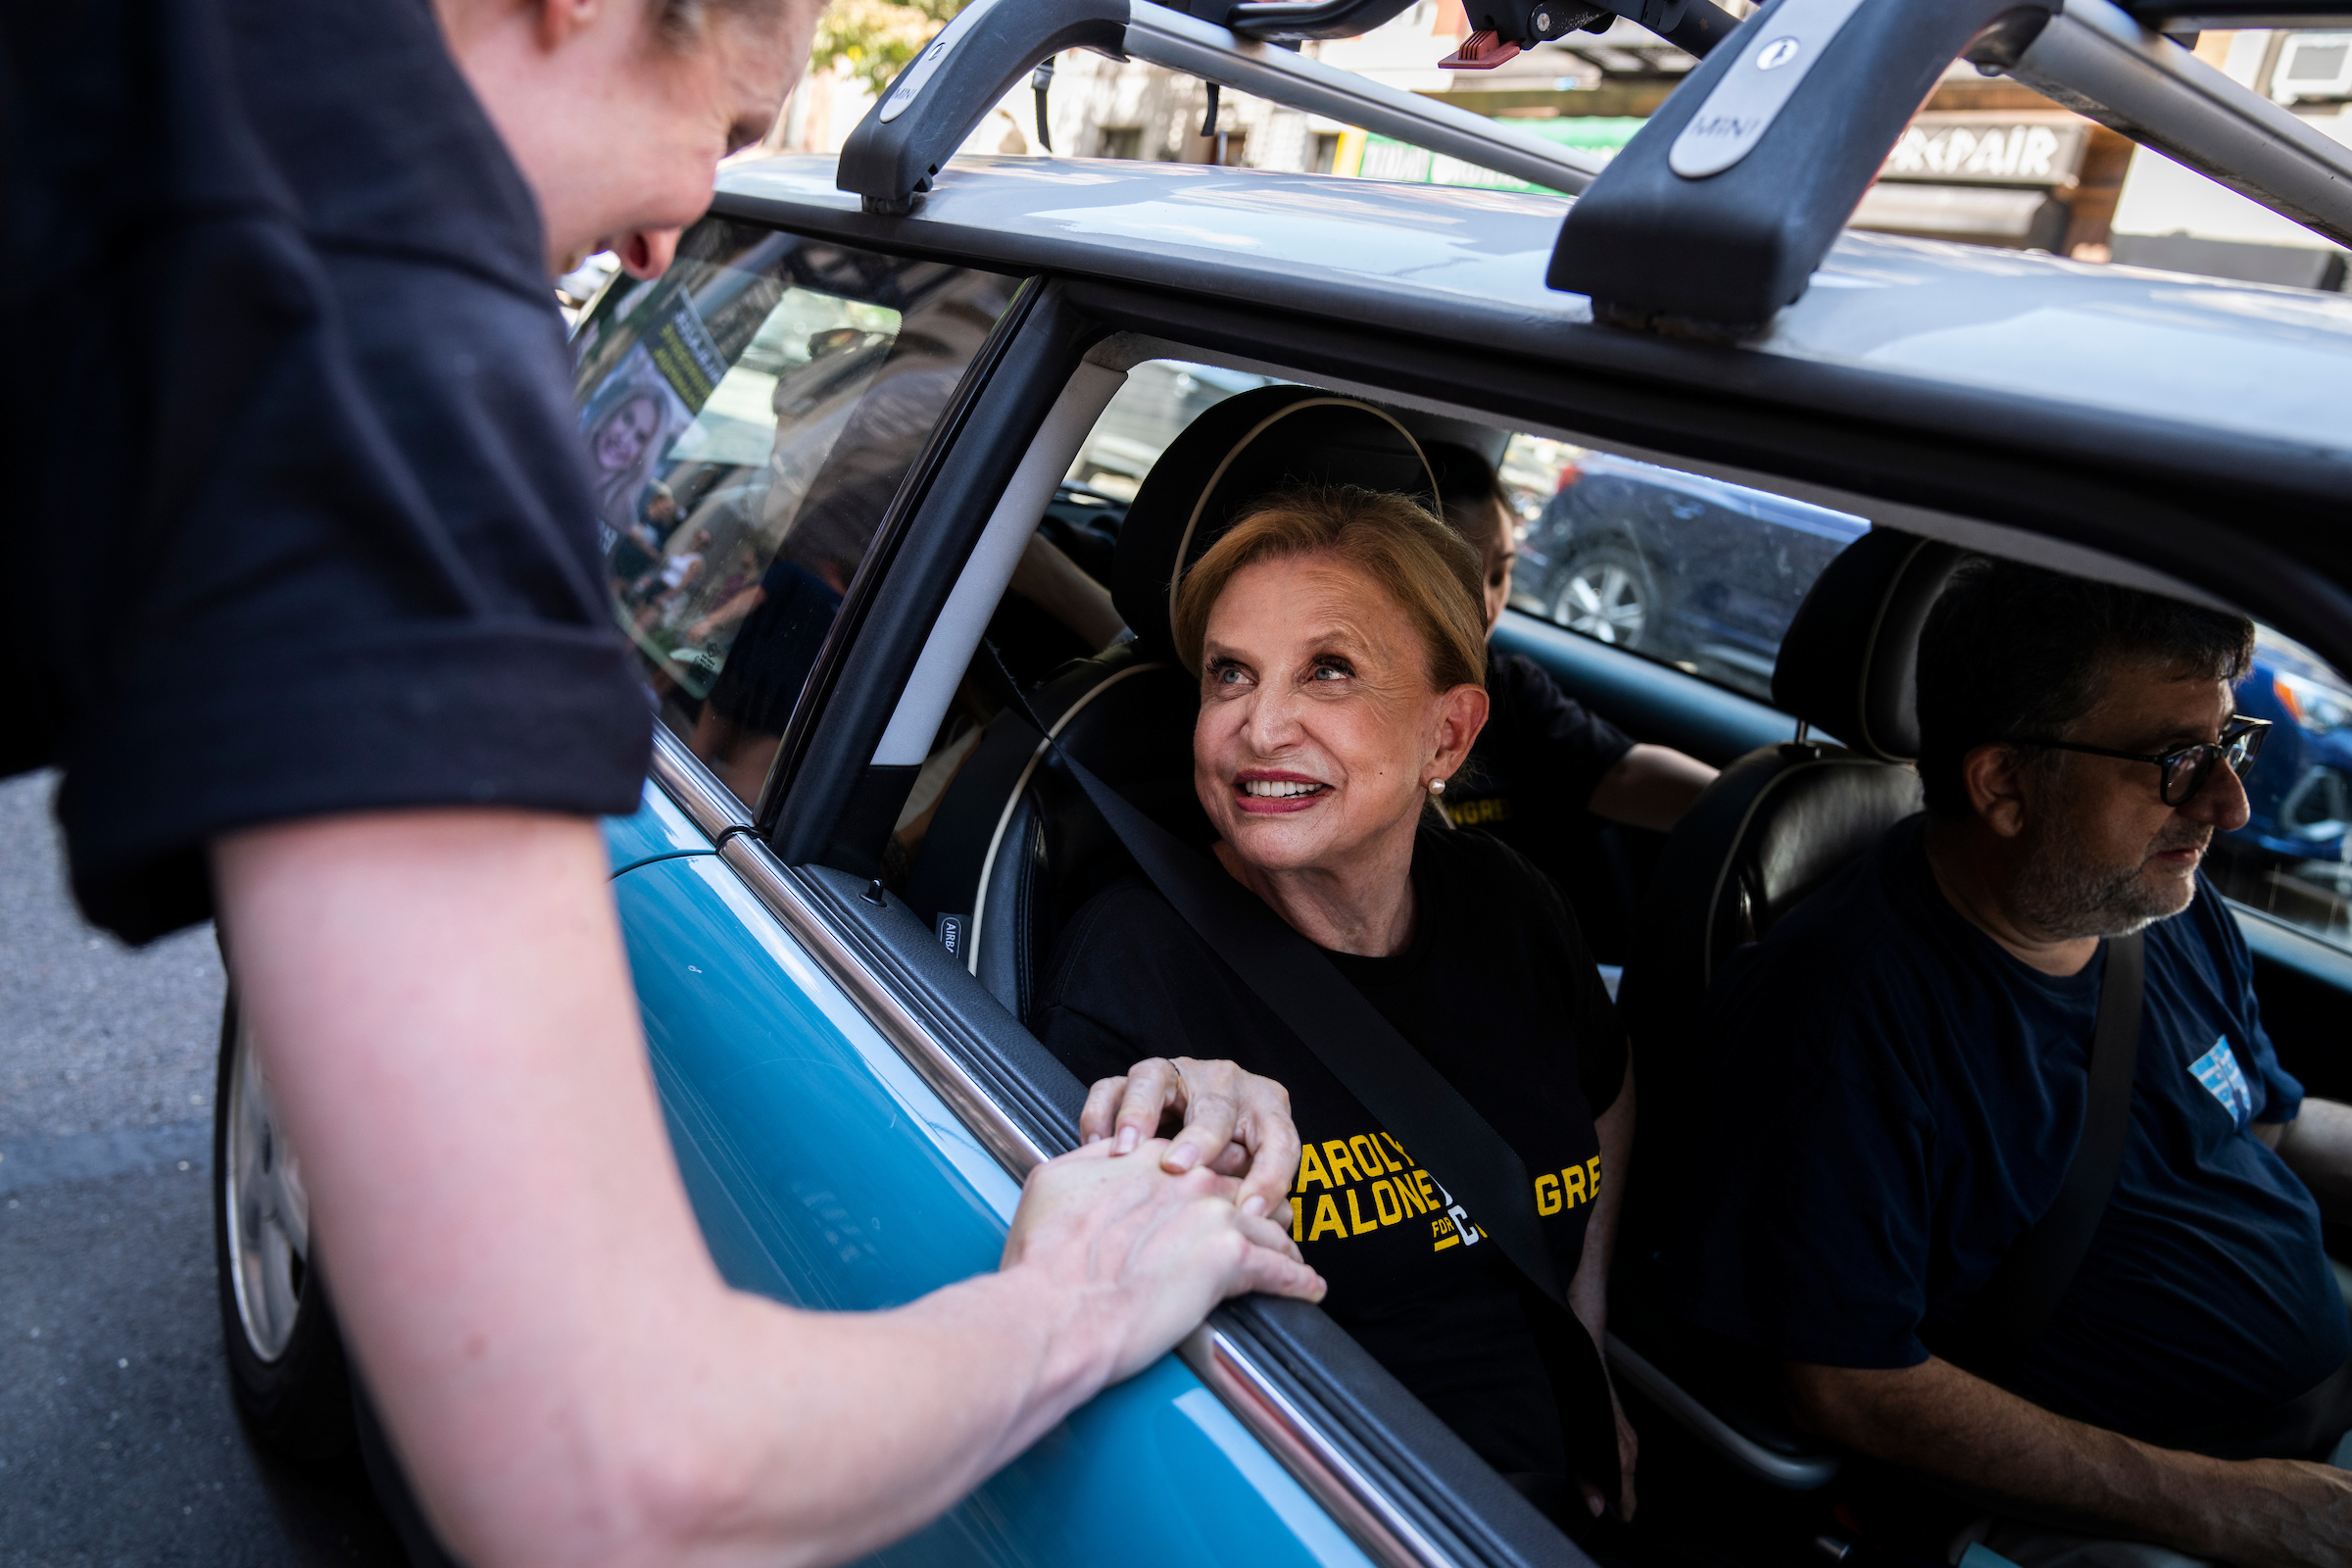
{"x": 1497, "y": 992}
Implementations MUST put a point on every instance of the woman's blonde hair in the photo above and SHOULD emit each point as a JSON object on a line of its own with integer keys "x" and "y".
{"x": 1429, "y": 570}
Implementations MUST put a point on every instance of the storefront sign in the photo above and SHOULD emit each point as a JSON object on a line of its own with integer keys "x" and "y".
{"x": 1992, "y": 150}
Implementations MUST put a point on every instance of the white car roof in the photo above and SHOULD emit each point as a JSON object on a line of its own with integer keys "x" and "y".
{"x": 2269, "y": 364}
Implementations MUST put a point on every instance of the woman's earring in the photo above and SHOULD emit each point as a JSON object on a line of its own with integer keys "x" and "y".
{"x": 1436, "y": 786}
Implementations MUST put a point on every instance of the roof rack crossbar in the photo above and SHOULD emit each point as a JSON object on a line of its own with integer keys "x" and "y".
{"x": 1170, "y": 38}
{"x": 1687, "y": 232}
{"x": 891, "y": 159}
{"x": 2099, "y": 62}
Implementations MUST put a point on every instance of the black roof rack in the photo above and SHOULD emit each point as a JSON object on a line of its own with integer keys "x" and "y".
{"x": 892, "y": 157}
{"x": 1718, "y": 210}
{"x": 1716, "y": 214}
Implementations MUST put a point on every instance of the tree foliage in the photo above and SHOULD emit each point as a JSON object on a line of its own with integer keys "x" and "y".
{"x": 873, "y": 39}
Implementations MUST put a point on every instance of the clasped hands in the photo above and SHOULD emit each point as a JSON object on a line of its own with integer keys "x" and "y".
{"x": 1214, "y": 1114}
{"x": 1134, "y": 1238}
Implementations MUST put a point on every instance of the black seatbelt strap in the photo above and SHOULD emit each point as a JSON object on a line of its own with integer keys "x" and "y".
{"x": 1440, "y": 1130}
{"x": 2007, "y": 1319}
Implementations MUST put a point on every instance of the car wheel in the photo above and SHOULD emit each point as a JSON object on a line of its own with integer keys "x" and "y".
{"x": 1606, "y": 593}
{"x": 286, "y": 1355}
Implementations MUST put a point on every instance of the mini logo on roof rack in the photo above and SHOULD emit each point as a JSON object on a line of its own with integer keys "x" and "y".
{"x": 926, "y": 66}
{"x": 1751, "y": 94}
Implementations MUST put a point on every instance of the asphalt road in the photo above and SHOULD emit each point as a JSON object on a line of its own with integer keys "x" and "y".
{"x": 117, "y": 1441}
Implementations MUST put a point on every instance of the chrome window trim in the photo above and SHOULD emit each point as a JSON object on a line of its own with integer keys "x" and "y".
{"x": 712, "y": 809}
{"x": 684, "y": 777}
{"x": 1353, "y": 1498}
{"x": 775, "y": 886}
{"x": 1350, "y": 1495}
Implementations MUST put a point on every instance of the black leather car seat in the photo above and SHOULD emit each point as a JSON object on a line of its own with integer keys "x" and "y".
{"x": 1778, "y": 823}
{"x": 1014, "y": 849}
{"x": 1782, "y": 819}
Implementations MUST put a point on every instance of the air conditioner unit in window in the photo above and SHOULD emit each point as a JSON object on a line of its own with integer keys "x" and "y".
{"x": 2312, "y": 64}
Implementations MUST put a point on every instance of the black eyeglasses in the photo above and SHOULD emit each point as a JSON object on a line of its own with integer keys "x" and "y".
{"x": 2184, "y": 769}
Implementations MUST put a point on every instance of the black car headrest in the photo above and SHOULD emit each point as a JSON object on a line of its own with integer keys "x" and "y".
{"x": 1849, "y": 665}
{"x": 1242, "y": 449}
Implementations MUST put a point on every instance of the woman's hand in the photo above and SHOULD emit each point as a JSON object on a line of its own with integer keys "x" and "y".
{"x": 1233, "y": 1122}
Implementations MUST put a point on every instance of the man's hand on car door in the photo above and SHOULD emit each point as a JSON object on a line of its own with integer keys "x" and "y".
{"x": 1232, "y": 1122}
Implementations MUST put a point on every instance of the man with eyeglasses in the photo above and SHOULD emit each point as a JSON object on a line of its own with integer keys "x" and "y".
{"x": 1903, "y": 1080}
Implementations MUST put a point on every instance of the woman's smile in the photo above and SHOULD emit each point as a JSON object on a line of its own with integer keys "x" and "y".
{"x": 1266, "y": 792}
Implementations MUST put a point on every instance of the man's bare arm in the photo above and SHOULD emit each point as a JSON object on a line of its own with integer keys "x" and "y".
{"x": 444, "y": 1013}
{"x": 1652, "y": 787}
{"x": 1589, "y": 1291}
{"x": 1058, "y": 586}
{"x": 2016, "y": 1456}
{"x": 2317, "y": 1146}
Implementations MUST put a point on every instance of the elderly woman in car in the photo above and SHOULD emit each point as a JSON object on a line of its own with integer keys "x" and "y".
{"x": 1342, "y": 656}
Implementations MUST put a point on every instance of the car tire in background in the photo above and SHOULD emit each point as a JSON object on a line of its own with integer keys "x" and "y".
{"x": 286, "y": 1355}
{"x": 1607, "y": 592}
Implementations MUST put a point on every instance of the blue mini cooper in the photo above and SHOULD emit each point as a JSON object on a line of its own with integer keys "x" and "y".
{"x": 861, "y": 462}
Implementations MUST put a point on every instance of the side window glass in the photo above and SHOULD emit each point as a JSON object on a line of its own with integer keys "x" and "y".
{"x": 2292, "y": 861}
{"x": 749, "y": 417}
{"x": 1689, "y": 570}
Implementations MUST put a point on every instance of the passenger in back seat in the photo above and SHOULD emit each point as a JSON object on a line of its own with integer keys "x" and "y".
{"x": 1545, "y": 760}
{"x": 1543, "y": 753}
{"x": 1341, "y": 651}
{"x": 1900, "y": 1083}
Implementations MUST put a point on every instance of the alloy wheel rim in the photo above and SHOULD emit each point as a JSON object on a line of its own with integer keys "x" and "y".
{"x": 1603, "y": 602}
{"x": 269, "y": 1209}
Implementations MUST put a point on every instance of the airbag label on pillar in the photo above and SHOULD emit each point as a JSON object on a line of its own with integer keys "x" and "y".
{"x": 1761, "y": 82}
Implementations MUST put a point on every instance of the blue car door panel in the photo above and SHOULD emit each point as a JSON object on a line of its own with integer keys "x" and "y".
{"x": 827, "y": 1173}
{"x": 657, "y": 830}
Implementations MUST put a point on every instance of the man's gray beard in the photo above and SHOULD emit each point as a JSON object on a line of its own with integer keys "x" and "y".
{"x": 2065, "y": 896}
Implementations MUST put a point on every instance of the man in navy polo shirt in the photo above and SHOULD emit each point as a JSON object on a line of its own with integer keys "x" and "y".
{"x": 1901, "y": 1083}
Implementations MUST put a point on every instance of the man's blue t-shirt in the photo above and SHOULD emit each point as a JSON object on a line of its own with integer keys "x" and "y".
{"x": 1896, "y": 1099}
